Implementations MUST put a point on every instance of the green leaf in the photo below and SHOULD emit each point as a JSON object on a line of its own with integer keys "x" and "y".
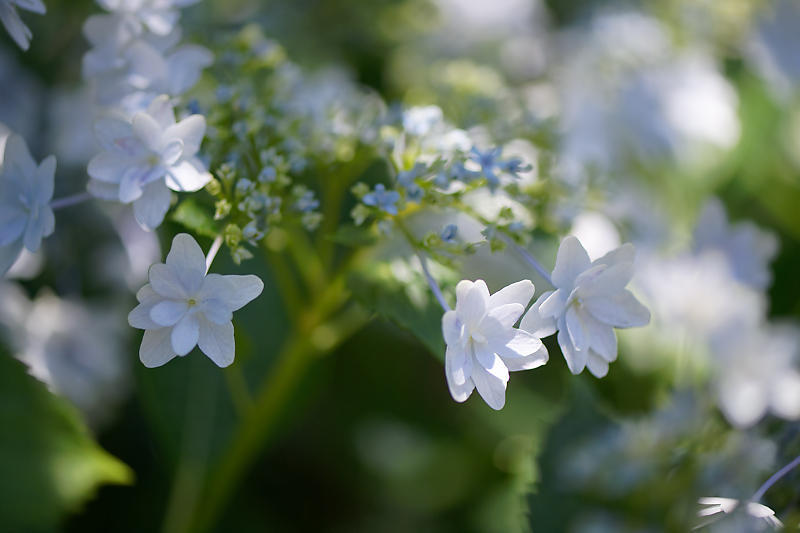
{"x": 196, "y": 218}
{"x": 408, "y": 303}
{"x": 49, "y": 463}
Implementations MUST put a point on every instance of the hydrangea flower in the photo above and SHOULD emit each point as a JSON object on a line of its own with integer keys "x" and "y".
{"x": 590, "y": 300}
{"x": 129, "y": 68}
{"x": 25, "y": 193}
{"x": 483, "y": 345}
{"x": 382, "y": 199}
{"x": 718, "y": 507}
{"x": 14, "y": 25}
{"x": 183, "y": 307}
{"x": 158, "y": 16}
{"x": 145, "y": 158}
{"x": 747, "y": 248}
{"x": 490, "y": 164}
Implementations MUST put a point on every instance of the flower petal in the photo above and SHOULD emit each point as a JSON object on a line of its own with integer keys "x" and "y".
{"x": 533, "y": 321}
{"x": 571, "y": 260}
{"x": 491, "y": 388}
{"x": 217, "y": 342}
{"x": 44, "y": 180}
{"x": 577, "y": 334}
{"x": 521, "y": 344}
{"x": 472, "y": 308}
{"x": 504, "y": 316}
{"x": 554, "y": 305}
{"x": 576, "y": 361}
{"x": 162, "y": 111}
{"x": 9, "y": 254}
{"x": 185, "y": 334}
{"x": 152, "y": 206}
{"x": 243, "y": 290}
{"x": 621, "y": 310}
{"x": 165, "y": 281}
{"x": 168, "y": 312}
{"x": 189, "y": 132}
{"x": 33, "y": 234}
{"x": 188, "y": 176}
{"x": 535, "y": 360}
{"x": 451, "y": 328}
{"x": 13, "y": 221}
{"x": 520, "y": 292}
{"x": 139, "y": 317}
{"x": 216, "y": 311}
{"x": 156, "y": 348}
{"x": 458, "y": 372}
{"x": 188, "y": 260}
{"x": 185, "y": 65}
{"x": 596, "y": 365}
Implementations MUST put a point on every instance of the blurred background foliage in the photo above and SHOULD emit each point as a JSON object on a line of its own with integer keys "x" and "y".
{"x": 366, "y": 437}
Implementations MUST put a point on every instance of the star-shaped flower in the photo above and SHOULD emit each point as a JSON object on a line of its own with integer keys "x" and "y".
{"x": 716, "y": 508}
{"x": 183, "y": 307}
{"x": 482, "y": 343}
{"x": 146, "y": 157}
{"x": 14, "y": 25}
{"x": 590, "y": 300}
{"x": 25, "y": 193}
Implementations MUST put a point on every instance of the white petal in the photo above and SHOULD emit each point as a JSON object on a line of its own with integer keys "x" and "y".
{"x": 503, "y": 317}
{"x": 458, "y": 366}
{"x": 139, "y": 317}
{"x": 108, "y": 167}
{"x": 185, "y": 66}
{"x": 602, "y": 338}
{"x": 188, "y": 175}
{"x": 48, "y": 219}
{"x": 102, "y": 190}
{"x": 533, "y": 321}
{"x": 216, "y": 311}
{"x": 162, "y": 111}
{"x": 217, "y": 342}
{"x": 535, "y": 360}
{"x": 168, "y": 312}
{"x": 13, "y": 221}
{"x": 596, "y": 365}
{"x": 17, "y": 155}
{"x": 14, "y": 25}
{"x": 621, "y": 310}
{"x": 35, "y": 6}
{"x": 743, "y": 401}
{"x": 189, "y": 131}
{"x": 472, "y": 308}
{"x": 33, "y": 234}
{"x": 189, "y": 263}
{"x": 159, "y": 21}
{"x": 451, "y": 328}
{"x": 156, "y": 348}
{"x": 9, "y": 254}
{"x": 44, "y": 179}
{"x": 235, "y": 291}
{"x": 148, "y": 131}
{"x": 491, "y": 388}
{"x": 576, "y": 361}
{"x": 624, "y": 254}
{"x": 115, "y": 135}
{"x": 575, "y": 329}
{"x": 521, "y": 344}
{"x": 462, "y": 289}
{"x": 152, "y": 206}
{"x": 520, "y": 292}
{"x": 571, "y": 260}
{"x": 147, "y": 295}
{"x": 554, "y": 305}
{"x": 185, "y": 334}
{"x": 785, "y": 399}
{"x": 165, "y": 281}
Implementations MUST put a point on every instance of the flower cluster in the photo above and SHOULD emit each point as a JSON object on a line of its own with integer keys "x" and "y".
{"x": 137, "y": 70}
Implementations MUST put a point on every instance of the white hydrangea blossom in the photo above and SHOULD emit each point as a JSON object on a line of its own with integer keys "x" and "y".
{"x": 747, "y": 248}
{"x": 146, "y": 157}
{"x": 590, "y": 300}
{"x": 716, "y": 508}
{"x": 482, "y": 343}
{"x": 25, "y": 193}
{"x": 757, "y": 372}
{"x": 183, "y": 307}
{"x": 14, "y": 25}
{"x": 158, "y": 16}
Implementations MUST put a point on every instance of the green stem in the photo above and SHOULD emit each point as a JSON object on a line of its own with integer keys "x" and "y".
{"x": 300, "y": 349}
{"x": 195, "y": 438}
